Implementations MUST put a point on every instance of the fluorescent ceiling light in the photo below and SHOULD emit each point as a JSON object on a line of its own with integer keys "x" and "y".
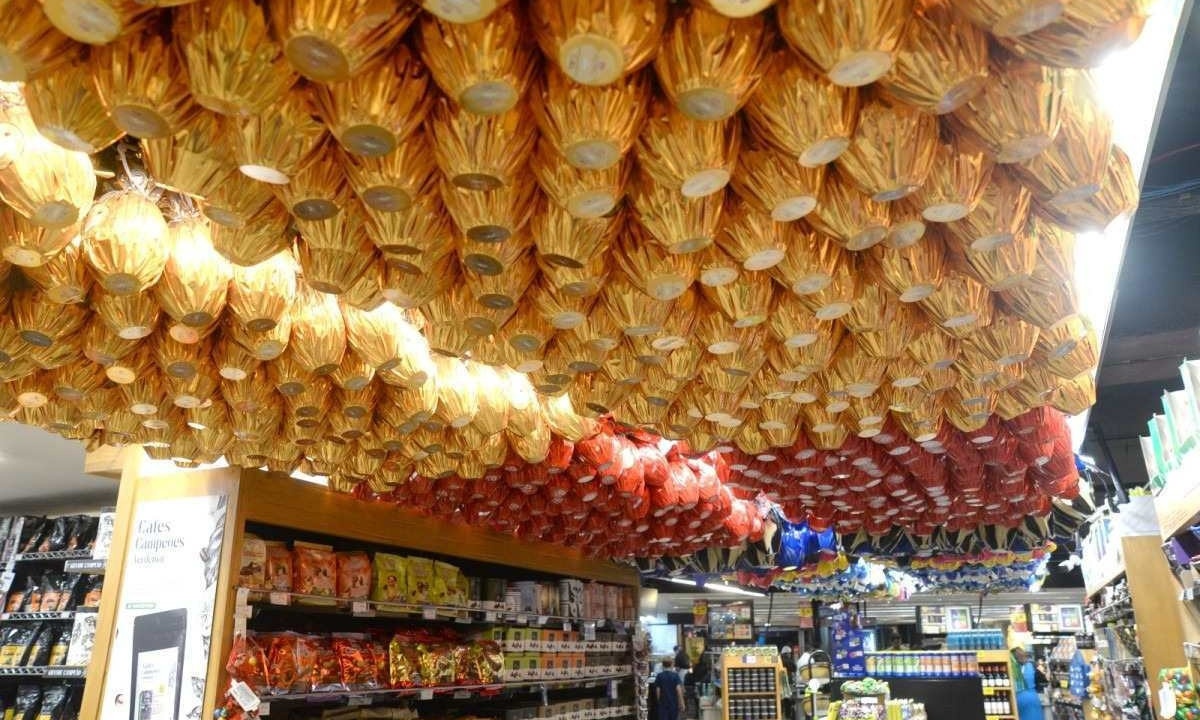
{"x": 1128, "y": 91}
{"x": 716, "y": 587}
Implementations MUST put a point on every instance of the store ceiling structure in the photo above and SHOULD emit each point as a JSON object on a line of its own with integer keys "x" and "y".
{"x": 40, "y": 471}
{"x": 1156, "y": 318}
{"x": 432, "y": 227}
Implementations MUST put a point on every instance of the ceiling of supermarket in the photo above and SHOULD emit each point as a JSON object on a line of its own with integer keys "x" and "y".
{"x": 905, "y": 302}
{"x": 1156, "y": 320}
{"x": 43, "y": 472}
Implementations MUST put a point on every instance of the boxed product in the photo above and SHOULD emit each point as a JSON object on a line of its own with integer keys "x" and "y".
{"x": 253, "y": 572}
{"x": 529, "y": 598}
{"x": 570, "y": 598}
{"x": 534, "y": 639}
{"x": 515, "y": 639}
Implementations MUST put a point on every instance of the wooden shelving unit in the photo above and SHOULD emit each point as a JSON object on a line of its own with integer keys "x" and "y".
{"x": 258, "y": 498}
{"x": 999, "y": 658}
{"x": 749, "y": 667}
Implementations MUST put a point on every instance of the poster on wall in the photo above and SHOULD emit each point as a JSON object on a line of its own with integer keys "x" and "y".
{"x": 159, "y": 655}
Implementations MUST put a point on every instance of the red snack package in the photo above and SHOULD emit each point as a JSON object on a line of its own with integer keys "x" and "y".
{"x": 379, "y": 654}
{"x": 353, "y": 575}
{"x": 289, "y": 662}
{"x": 248, "y": 663}
{"x": 326, "y": 670}
{"x": 279, "y": 567}
{"x": 356, "y": 662}
{"x": 313, "y": 570}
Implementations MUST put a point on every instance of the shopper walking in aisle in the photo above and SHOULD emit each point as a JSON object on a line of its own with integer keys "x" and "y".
{"x": 1024, "y": 675}
{"x": 668, "y": 691}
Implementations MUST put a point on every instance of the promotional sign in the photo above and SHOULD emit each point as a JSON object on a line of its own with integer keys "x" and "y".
{"x": 159, "y": 655}
{"x": 699, "y": 612}
{"x": 805, "y": 616}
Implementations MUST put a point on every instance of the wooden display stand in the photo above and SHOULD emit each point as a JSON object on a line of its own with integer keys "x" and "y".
{"x": 999, "y": 658}
{"x": 273, "y": 499}
{"x": 739, "y": 665}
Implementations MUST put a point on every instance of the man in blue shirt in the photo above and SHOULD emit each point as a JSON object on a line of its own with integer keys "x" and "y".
{"x": 668, "y": 691}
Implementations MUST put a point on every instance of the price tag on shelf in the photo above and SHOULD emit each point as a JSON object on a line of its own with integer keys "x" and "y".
{"x": 280, "y": 598}
{"x": 242, "y": 611}
{"x": 243, "y": 596}
{"x": 361, "y": 608}
{"x": 490, "y": 617}
{"x": 612, "y": 689}
{"x": 522, "y": 619}
{"x": 542, "y": 619}
{"x": 461, "y": 694}
{"x": 589, "y": 631}
{"x": 358, "y": 700}
{"x": 566, "y": 627}
{"x": 244, "y": 696}
{"x": 428, "y": 613}
{"x": 6, "y": 581}
{"x": 463, "y": 619}
{"x": 264, "y": 709}
{"x": 425, "y": 695}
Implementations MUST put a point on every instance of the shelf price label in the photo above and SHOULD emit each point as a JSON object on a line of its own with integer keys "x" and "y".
{"x": 280, "y": 598}
{"x": 542, "y": 619}
{"x": 589, "y": 631}
{"x": 244, "y": 696}
{"x": 425, "y": 695}
{"x": 490, "y": 616}
{"x": 361, "y": 608}
{"x": 358, "y": 700}
{"x": 461, "y": 694}
{"x": 428, "y": 613}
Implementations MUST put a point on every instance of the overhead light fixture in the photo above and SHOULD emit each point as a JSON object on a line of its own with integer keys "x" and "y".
{"x": 717, "y": 587}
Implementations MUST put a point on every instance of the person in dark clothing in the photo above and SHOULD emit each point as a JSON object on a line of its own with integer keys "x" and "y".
{"x": 668, "y": 692}
{"x": 789, "y": 662}
{"x": 682, "y": 661}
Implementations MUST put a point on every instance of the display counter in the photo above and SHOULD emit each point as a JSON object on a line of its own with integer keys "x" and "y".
{"x": 944, "y": 699}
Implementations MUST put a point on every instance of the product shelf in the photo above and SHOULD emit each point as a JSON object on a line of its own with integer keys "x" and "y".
{"x": 1177, "y": 504}
{"x": 760, "y": 693}
{"x": 422, "y": 611}
{"x": 63, "y": 672}
{"x": 53, "y": 555}
{"x": 85, "y": 566}
{"x": 455, "y": 692}
{"x": 32, "y": 616}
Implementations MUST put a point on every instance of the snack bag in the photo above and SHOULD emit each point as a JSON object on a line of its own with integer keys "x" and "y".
{"x": 355, "y": 661}
{"x": 248, "y": 663}
{"x": 379, "y": 656}
{"x": 327, "y": 670}
{"x": 420, "y": 580}
{"x": 353, "y": 575}
{"x": 403, "y": 664}
{"x": 390, "y": 578}
{"x": 279, "y": 567}
{"x": 314, "y": 569}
